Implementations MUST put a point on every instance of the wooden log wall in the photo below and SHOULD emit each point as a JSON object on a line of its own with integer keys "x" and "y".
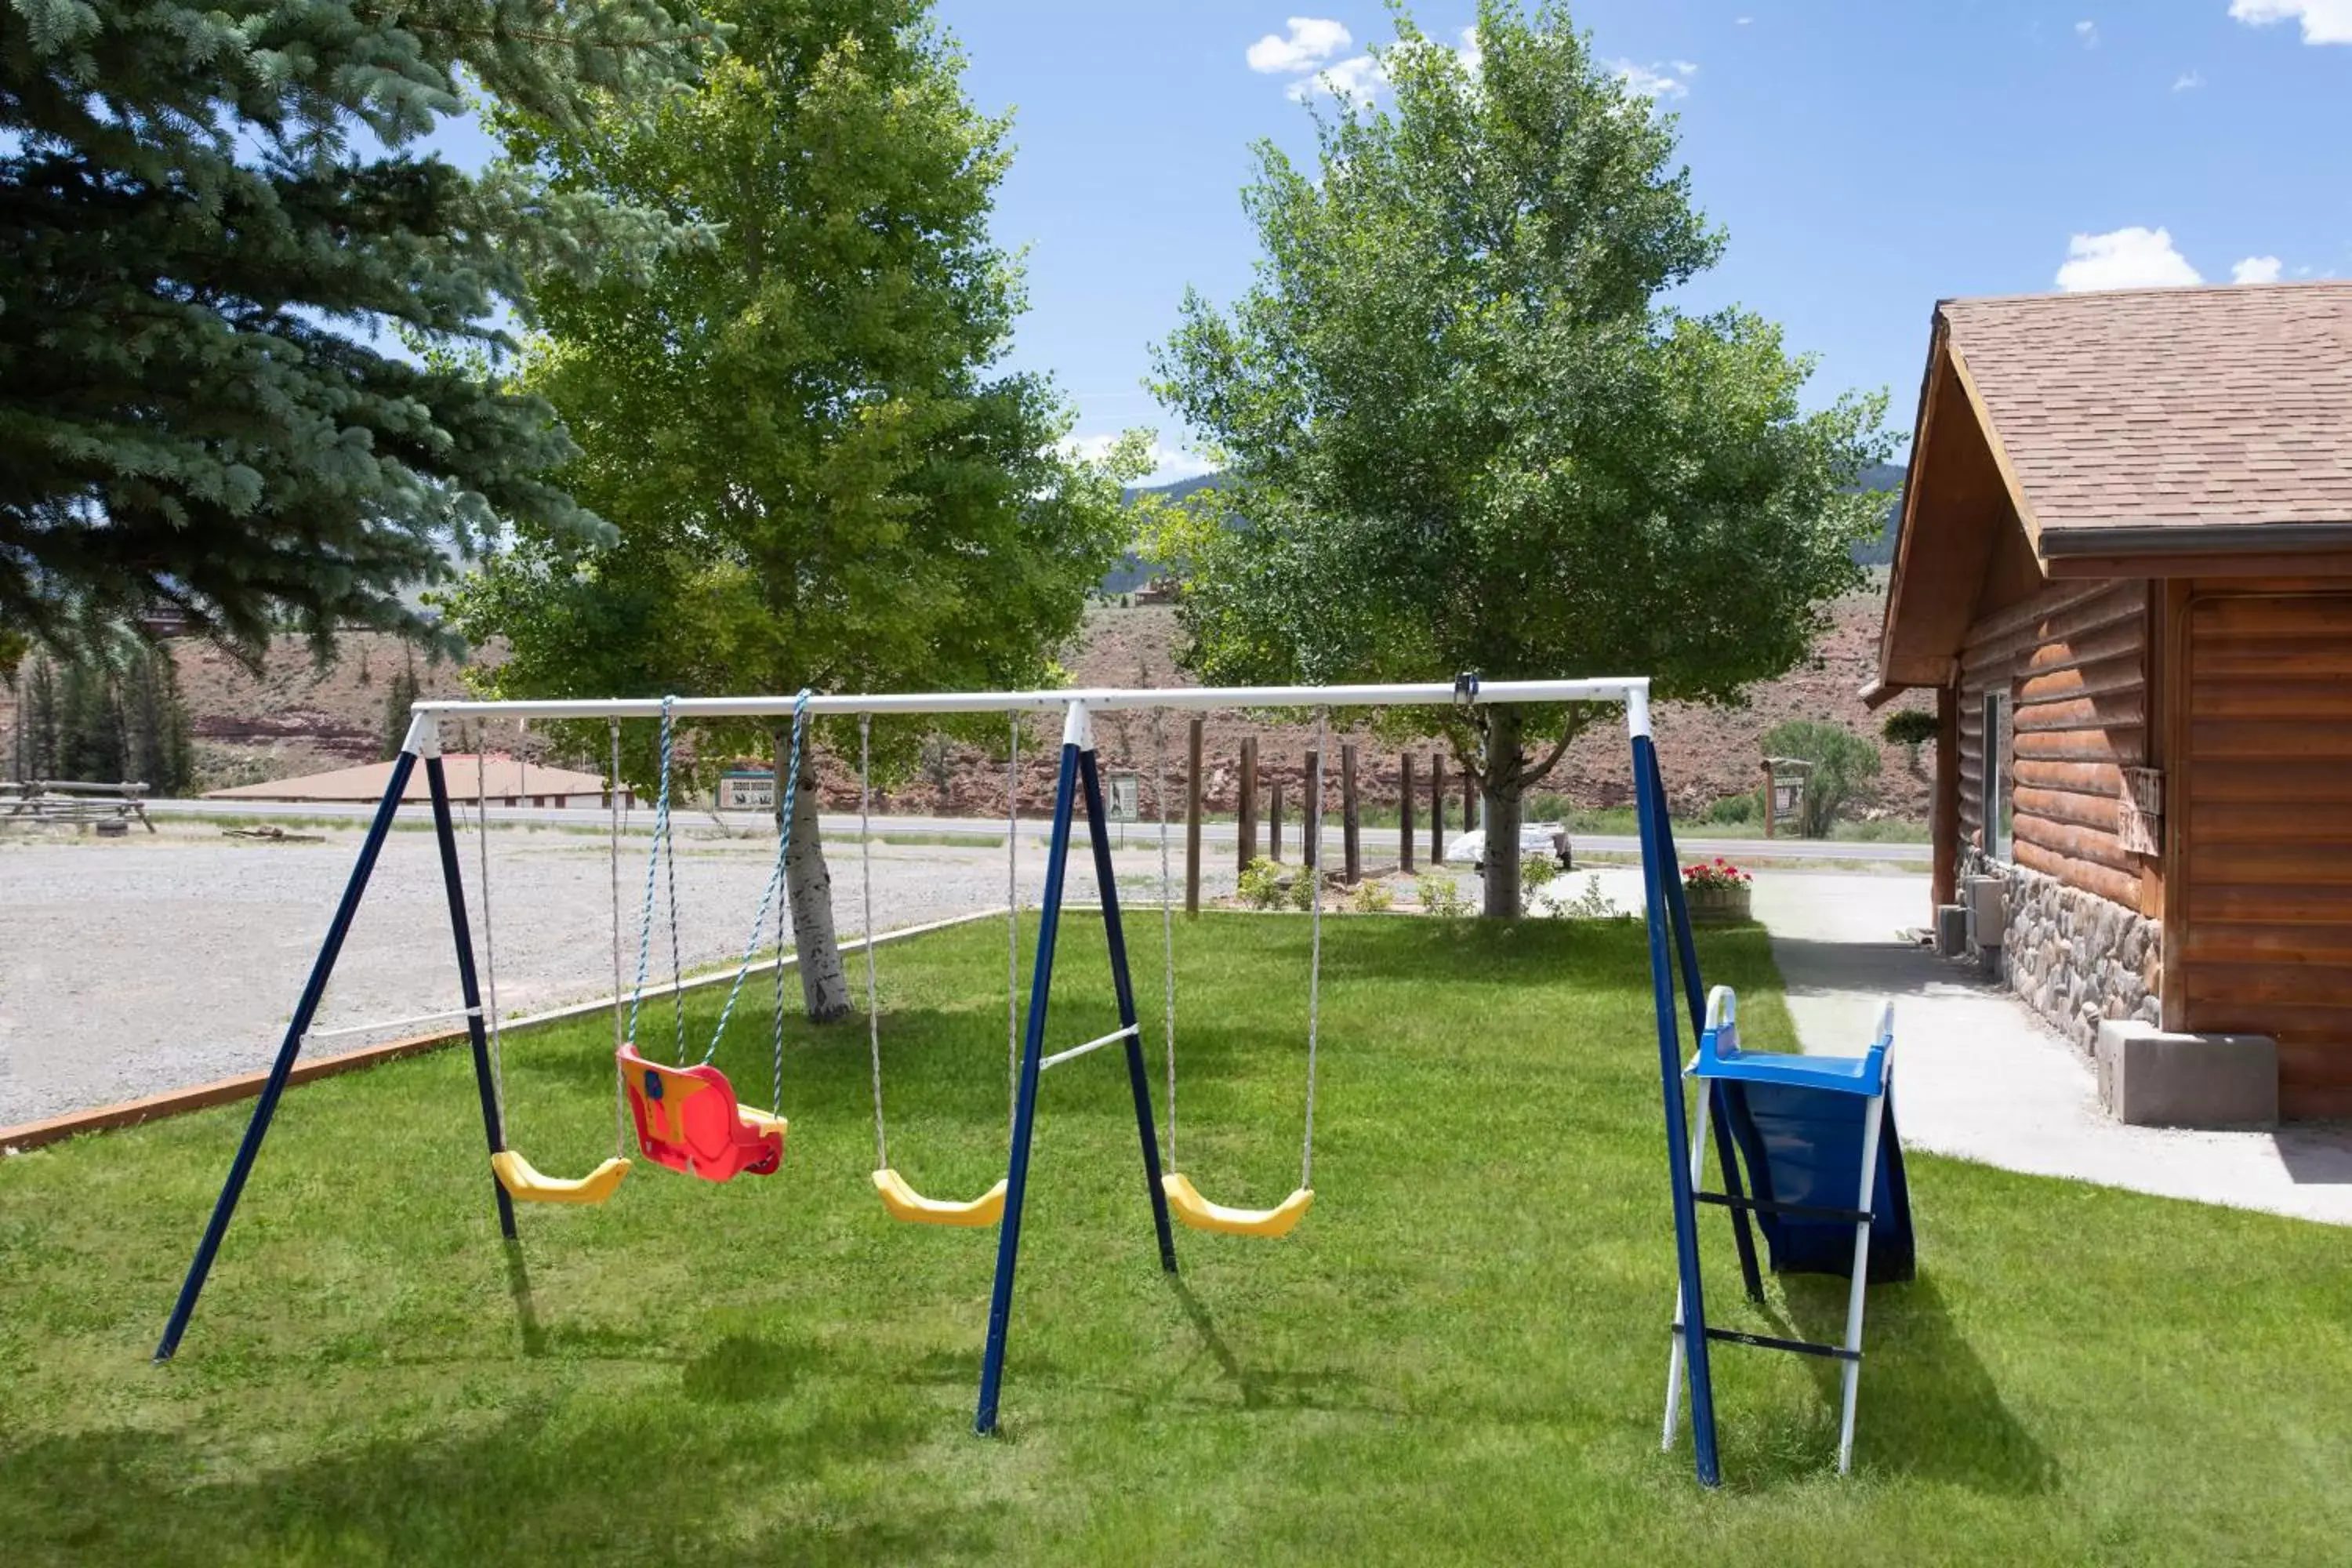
{"x": 2074, "y": 659}
{"x": 2264, "y": 833}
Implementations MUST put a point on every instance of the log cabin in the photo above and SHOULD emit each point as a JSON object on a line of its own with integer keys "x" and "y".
{"x": 2125, "y": 569}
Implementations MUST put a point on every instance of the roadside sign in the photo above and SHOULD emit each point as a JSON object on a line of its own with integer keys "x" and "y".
{"x": 747, "y": 789}
{"x": 1124, "y": 797}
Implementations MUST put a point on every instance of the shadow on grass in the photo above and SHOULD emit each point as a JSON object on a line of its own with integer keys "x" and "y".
{"x": 1928, "y": 1408}
{"x": 1322, "y": 1389}
{"x": 528, "y": 1488}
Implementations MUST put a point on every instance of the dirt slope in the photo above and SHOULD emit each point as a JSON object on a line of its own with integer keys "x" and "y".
{"x": 298, "y": 718}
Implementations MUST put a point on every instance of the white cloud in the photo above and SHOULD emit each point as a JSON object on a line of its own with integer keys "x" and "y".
{"x": 2127, "y": 259}
{"x": 1360, "y": 76}
{"x": 1659, "y": 79}
{"x": 1310, "y": 42}
{"x": 2188, "y": 81}
{"x": 2323, "y": 21}
{"x": 2256, "y": 269}
{"x": 2089, "y": 33}
{"x": 1741, "y": 21}
{"x": 1473, "y": 52}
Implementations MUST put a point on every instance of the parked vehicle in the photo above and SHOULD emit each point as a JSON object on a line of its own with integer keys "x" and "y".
{"x": 1536, "y": 838}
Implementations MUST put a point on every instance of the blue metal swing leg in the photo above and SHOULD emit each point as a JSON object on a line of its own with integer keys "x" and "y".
{"x": 1077, "y": 779}
{"x": 1669, "y": 923}
{"x": 306, "y": 1010}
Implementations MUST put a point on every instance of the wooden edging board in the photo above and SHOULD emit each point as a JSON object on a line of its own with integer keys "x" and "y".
{"x": 248, "y": 1086}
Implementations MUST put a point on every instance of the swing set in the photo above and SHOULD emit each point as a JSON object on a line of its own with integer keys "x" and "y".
{"x": 687, "y": 1118}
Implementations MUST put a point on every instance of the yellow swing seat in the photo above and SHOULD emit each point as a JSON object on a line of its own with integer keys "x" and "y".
{"x": 1202, "y": 1215}
{"x": 524, "y": 1182}
{"x": 906, "y": 1204}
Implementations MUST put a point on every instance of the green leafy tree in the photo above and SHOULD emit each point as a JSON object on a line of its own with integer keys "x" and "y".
{"x": 217, "y": 217}
{"x": 1910, "y": 728}
{"x": 819, "y": 475}
{"x": 1466, "y": 435}
{"x": 1844, "y": 764}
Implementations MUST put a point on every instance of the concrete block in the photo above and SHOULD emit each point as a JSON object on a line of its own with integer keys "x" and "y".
{"x": 1951, "y": 930}
{"x": 2151, "y": 1078}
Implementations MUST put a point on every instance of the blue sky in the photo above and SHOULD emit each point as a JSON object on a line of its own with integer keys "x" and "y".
{"x": 1867, "y": 157}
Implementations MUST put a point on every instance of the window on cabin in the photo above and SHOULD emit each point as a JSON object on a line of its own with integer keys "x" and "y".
{"x": 1996, "y": 812}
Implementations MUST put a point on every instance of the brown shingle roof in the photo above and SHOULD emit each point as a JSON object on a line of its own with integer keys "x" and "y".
{"x": 2167, "y": 408}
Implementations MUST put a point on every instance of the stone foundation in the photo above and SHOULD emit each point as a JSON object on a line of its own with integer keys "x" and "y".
{"x": 2077, "y": 959}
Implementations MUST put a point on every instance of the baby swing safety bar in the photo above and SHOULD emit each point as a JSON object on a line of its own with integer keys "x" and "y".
{"x": 1079, "y": 781}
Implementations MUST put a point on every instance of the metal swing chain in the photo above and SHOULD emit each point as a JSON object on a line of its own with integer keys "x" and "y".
{"x": 620, "y": 1088}
{"x": 1315, "y": 962}
{"x": 1167, "y": 919}
{"x": 1013, "y": 932}
{"x": 669, "y": 852}
{"x": 865, "y": 875}
{"x": 760, "y": 916}
{"x": 490, "y": 941}
{"x": 783, "y": 839}
{"x": 653, "y": 870}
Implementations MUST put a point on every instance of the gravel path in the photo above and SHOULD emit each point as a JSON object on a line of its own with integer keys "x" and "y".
{"x": 132, "y": 966}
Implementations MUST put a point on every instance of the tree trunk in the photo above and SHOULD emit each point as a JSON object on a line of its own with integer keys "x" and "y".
{"x": 1499, "y": 812}
{"x": 808, "y": 889}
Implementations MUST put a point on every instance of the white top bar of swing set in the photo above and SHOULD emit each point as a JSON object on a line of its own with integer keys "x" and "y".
{"x": 1633, "y": 691}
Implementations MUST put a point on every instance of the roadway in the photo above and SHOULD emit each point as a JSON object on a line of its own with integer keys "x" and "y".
{"x": 1379, "y": 842}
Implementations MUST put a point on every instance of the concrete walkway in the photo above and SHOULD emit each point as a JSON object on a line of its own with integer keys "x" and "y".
{"x": 1984, "y": 1079}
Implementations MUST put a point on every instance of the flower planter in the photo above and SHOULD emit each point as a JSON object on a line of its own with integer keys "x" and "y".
{"x": 1719, "y": 906}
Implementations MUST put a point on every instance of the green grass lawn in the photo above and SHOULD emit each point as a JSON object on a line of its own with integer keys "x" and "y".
{"x": 1459, "y": 1356}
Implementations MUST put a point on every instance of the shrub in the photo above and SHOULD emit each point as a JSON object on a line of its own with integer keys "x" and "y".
{"x": 1592, "y": 904}
{"x": 1733, "y": 808}
{"x": 1439, "y": 894}
{"x": 1261, "y": 885}
{"x": 1302, "y": 888}
{"x": 1372, "y": 898}
{"x": 1844, "y": 764}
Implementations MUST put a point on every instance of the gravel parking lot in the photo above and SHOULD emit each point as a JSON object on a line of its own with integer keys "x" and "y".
{"x": 132, "y": 966}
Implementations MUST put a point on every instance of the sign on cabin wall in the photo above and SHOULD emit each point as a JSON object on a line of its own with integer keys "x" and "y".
{"x": 747, "y": 789}
{"x": 1123, "y": 796}
{"x": 2140, "y": 817}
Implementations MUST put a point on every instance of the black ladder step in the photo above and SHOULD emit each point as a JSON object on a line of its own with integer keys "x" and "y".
{"x": 1766, "y": 1341}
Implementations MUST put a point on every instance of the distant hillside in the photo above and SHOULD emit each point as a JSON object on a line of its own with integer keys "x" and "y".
{"x": 1131, "y": 574}
{"x": 1879, "y": 551}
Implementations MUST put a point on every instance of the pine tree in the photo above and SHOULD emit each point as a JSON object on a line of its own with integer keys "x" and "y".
{"x": 156, "y": 723}
{"x": 37, "y": 717}
{"x": 212, "y": 217}
{"x": 89, "y": 724}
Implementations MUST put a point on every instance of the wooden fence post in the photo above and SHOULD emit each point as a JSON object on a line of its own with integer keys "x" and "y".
{"x": 1248, "y": 835}
{"x": 1193, "y": 819}
{"x": 1310, "y": 816}
{"x": 1770, "y": 800}
{"x": 1274, "y": 820}
{"x": 1437, "y": 808}
{"x": 1404, "y": 814}
{"x": 1351, "y": 826}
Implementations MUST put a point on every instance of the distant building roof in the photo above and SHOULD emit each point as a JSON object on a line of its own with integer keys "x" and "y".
{"x": 2121, "y": 414}
{"x": 502, "y": 777}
